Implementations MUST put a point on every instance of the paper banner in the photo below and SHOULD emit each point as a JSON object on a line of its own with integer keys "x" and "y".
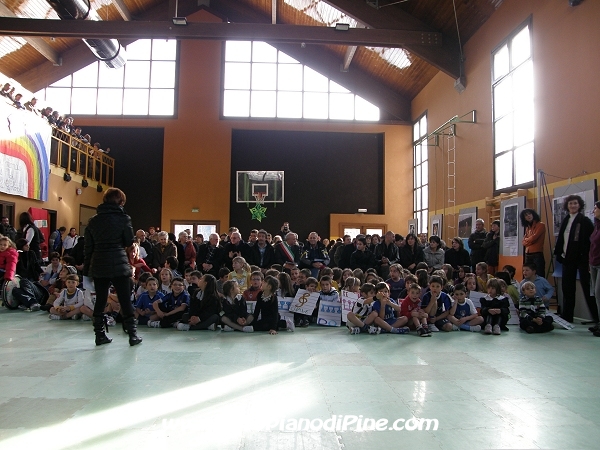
{"x": 284, "y": 304}
{"x": 349, "y": 299}
{"x": 304, "y": 302}
{"x": 330, "y": 314}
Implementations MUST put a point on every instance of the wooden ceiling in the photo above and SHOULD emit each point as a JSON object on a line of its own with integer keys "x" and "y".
{"x": 31, "y": 61}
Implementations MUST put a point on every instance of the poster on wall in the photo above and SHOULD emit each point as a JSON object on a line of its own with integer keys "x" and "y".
{"x": 585, "y": 189}
{"x": 436, "y": 225}
{"x": 511, "y": 230}
{"x": 24, "y": 153}
{"x": 466, "y": 222}
{"x": 413, "y": 226}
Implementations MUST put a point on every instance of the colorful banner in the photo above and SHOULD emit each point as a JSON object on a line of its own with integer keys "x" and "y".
{"x": 24, "y": 153}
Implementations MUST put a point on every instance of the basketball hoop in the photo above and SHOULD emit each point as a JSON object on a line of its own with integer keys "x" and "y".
{"x": 259, "y": 197}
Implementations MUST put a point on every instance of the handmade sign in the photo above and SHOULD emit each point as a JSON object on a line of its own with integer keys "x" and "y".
{"x": 250, "y": 306}
{"x": 349, "y": 299}
{"x": 330, "y": 314}
{"x": 284, "y": 304}
{"x": 304, "y": 302}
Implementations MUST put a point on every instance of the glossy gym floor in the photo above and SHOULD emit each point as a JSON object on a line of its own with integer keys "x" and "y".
{"x": 251, "y": 391}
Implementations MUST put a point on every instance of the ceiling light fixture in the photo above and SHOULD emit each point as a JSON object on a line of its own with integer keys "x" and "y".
{"x": 342, "y": 26}
{"x": 178, "y": 20}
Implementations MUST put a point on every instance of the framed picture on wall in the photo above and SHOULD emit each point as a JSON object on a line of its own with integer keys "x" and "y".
{"x": 466, "y": 222}
{"x": 436, "y": 225}
{"x": 413, "y": 226}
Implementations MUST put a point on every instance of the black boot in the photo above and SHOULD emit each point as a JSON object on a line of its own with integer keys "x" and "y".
{"x": 99, "y": 327}
{"x": 131, "y": 329}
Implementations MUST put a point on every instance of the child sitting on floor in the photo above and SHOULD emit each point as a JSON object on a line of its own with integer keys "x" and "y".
{"x": 463, "y": 314}
{"x": 438, "y": 305}
{"x": 361, "y": 318}
{"x": 387, "y": 310}
{"x": 170, "y": 309}
{"x": 411, "y": 308}
{"x": 143, "y": 308}
{"x": 494, "y": 308}
{"x": 234, "y": 308}
{"x": 69, "y": 302}
{"x": 532, "y": 311}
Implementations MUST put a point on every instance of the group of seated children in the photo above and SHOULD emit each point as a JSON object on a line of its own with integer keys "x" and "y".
{"x": 402, "y": 303}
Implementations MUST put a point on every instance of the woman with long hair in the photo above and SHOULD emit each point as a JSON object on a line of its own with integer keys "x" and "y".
{"x": 205, "y": 307}
{"x": 107, "y": 236}
{"x": 411, "y": 254}
{"x": 31, "y": 233}
{"x": 533, "y": 240}
{"x": 456, "y": 255}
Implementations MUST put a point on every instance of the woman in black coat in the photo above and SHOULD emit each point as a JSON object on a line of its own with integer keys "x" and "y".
{"x": 411, "y": 254}
{"x": 107, "y": 235}
{"x": 572, "y": 251}
{"x": 31, "y": 233}
{"x": 456, "y": 255}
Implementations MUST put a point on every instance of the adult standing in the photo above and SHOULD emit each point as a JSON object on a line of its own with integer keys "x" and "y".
{"x": 262, "y": 254}
{"x": 573, "y": 251}
{"x": 70, "y": 241}
{"x": 476, "y": 241}
{"x": 595, "y": 261}
{"x": 31, "y": 234}
{"x": 492, "y": 247}
{"x": 287, "y": 253}
{"x": 107, "y": 235}
{"x": 533, "y": 241}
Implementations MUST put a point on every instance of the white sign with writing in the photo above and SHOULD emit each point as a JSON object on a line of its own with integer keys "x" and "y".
{"x": 304, "y": 302}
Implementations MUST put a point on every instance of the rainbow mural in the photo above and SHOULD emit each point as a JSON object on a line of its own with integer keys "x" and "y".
{"x": 24, "y": 153}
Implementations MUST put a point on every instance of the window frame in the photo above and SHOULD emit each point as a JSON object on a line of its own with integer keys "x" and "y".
{"x": 422, "y": 214}
{"x": 329, "y": 93}
{"x": 123, "y": 88}
{"x": 493, "y": 84}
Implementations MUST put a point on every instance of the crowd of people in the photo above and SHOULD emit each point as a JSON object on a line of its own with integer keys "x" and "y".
{"x": 53, "y": 117}
{"x": 403, "y": 284}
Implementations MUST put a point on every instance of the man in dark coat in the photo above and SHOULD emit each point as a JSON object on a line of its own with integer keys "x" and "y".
{"x": 209, "y": 258}
{"x": 476, "y": 241}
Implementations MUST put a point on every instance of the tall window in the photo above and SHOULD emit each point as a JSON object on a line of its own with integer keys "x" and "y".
{"x": 261, "y": 81}
{"x": 144, "y": 86}
{"x": 421, "y": 174}
{"x": 512, "y": 87}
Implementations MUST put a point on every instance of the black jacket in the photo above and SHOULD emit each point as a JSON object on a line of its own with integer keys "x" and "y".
{"x": 205, "y": 308}
{"x": 457, "y": 258}
{"x": 492, "y": 249}
{"x": 204, "y": 256}
{"x": 268, "y": 258}
{"x": 408, "y": 257}
{"x": 236, "y": 309}
{"x": 476, "y": 241}
{"x": 578, "y": 246}
{"x": 107, "y": 235}
{"x": 268, "y": 309}
{"x": 362, "y": 260}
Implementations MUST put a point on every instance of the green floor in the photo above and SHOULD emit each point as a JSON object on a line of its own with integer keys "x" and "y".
{"x": 222, "y": 390}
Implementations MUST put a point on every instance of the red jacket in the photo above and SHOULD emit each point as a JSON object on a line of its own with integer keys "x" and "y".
{"x": 8, "y": 262}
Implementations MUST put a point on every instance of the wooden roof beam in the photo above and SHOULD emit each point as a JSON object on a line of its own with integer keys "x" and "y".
{"x": 215, "y": 31}
{"x": 445, "y": 57}
{"x": 39, "y": 44}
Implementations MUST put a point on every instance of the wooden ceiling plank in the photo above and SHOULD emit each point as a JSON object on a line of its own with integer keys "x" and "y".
{"x": 218, "y": 31}
{"x": 39, "y": 44}
{"x": 445, "y": 57}
{"x": 122, "y": 9}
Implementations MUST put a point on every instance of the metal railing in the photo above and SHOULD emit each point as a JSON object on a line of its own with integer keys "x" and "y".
{"x": 76, "y": 156}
